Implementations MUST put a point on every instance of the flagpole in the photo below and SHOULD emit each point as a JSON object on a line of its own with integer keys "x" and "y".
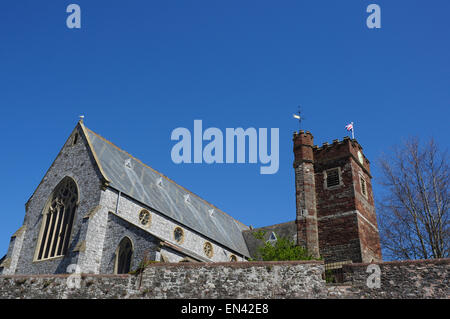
{"x": 353, "y": 131}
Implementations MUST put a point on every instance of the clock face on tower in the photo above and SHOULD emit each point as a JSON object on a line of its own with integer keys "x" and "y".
{"x": 360, "y": 157}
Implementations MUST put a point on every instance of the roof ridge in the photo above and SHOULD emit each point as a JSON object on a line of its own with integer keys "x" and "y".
{"x": 274, "y": 225}
{"x": 162, "y": 175}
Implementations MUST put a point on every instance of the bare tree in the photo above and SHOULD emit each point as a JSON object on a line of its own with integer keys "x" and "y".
{"x": 414, "y": 219}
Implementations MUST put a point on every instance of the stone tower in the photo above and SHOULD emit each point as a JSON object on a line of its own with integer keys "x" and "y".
{"x": 335, "y": 206}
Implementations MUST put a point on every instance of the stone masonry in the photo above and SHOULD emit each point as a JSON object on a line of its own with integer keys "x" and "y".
{"x": 247, "y": 280}
{"x": 402, "y": 279}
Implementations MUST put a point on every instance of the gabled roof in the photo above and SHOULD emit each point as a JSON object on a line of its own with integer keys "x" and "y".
{"x": 286, "y": 230}
{"x": 141, "y": 182}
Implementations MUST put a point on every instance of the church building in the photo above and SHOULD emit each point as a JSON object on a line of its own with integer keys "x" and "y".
{"x": 105, "y": 211}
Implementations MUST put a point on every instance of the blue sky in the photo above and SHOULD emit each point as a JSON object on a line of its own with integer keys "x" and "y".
{"x": 137, "y": 70}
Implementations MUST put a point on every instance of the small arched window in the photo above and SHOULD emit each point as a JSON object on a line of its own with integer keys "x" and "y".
{"x": 57, "y": 220}
{"x": 124, "y": 255}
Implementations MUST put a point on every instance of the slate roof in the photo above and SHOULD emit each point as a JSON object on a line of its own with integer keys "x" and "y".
{"x": 287, "y": 230}
{"x": 141, "y": 182}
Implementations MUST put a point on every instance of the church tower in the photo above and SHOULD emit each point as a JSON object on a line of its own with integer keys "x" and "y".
{"x": 335, "y": 213}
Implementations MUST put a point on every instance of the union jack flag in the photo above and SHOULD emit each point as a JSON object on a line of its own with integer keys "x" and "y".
{"x": 349, "y": 127}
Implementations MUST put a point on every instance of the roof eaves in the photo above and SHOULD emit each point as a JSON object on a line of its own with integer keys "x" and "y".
{"x": 94, "y": 154}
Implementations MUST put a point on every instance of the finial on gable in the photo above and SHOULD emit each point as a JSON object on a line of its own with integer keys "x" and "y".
{"x": 81, "y": 118}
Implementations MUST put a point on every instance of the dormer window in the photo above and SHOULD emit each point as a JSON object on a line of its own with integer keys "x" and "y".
{"x": 272, "y": 238}
{"x": 128, "y": 163}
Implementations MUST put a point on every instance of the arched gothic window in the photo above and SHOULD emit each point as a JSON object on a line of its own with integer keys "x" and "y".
{"x": 124, "y": 254}
{"x": 57, "y": 220}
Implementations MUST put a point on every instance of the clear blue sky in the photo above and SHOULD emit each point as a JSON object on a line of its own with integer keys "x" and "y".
{"x": 139, "y": 69}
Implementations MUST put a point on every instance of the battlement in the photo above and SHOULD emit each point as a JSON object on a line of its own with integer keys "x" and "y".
{"x": 354, "y": 143}
{"x": 341, "y": 148}
{"x": 302, "y": 132}
{"x": 303, "y": 144}
{"x": 302, "y": 137}
{"x": 305, "y": 150}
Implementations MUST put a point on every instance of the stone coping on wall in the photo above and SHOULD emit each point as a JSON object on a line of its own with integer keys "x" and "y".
{"x": 238, "y": 264}
{"x": 55, "y": 276}
{"x": 440, "y": 261}
{"x": 243, "y": 265}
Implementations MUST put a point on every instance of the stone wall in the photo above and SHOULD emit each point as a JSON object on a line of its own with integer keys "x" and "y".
{"x": 402, "y": 279}
{"x": 182, "y": 280}
{"x": 260, "y": 280}
{"x": 234, "y": 280}
{"x": 55, "y": 287}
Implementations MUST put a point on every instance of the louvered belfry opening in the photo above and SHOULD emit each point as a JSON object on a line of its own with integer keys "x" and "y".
{"x": 57, "y": 220}
{"x": 332, "y": 177}
{"x": 363, "y": 186}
